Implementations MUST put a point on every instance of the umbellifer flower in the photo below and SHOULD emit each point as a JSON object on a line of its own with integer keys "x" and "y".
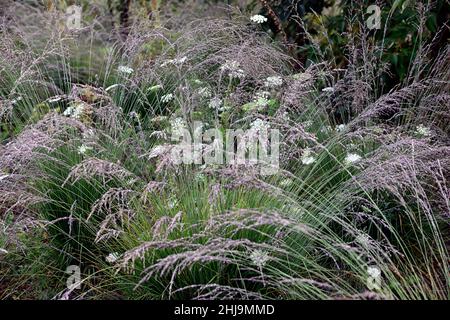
{"x": 423, "y": 131}
{"x": 273, "y": 82}
{"x": 259, "y": 258}
{"x": 215, "y": 103}
{"x": 373, "y": 272}
{"x": 74, "y": 111}
{"x": 233, "y": 69}
{"x": 125, "y": 69}
{"x": 112, "y": 257}
{"x": 200, "y": 177}
{"x": 259, "y": 125}
{"x": 167, "y": 97}
{"x": 83, "y": 149}
{"x": 178, "y": 126}
{"x": 257, "y": 18}
{"x": 351, "y": 158}
{"x": 261, "y": 102}
{"x": 307, "y": 157}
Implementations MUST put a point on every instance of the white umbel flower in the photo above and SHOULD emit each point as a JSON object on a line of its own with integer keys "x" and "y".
{"x": 363, "y": 239}
{"x": 261, "y": 102}
{"x": 215, "y": 103}
{"x": 352, "y": 158}
{"x": 373, "y": 272}
{"x": 261, "y": 99}
{"x": 423, "y": 131}
{"x": 308, "y": 157}
{"x": 200, "y": 177}
{"x": 125, "y": 70}
{"x": 204, "y": 92}
{"x": 259, "y": 258}
{"x": 273, "y": 82}
{"x": 259, "y": 125}
{"x": 83, "y": 149}
{"x": 74, "y": 111}
{"x": 285, "y": 116}
{"x": 178, "y": 126}
{"x": 167, "y": 97}
{"x": 307, "y": 124}
{"x": 340, "y": 127}
{"x": 262, "y": 94}
{"x": 78, "y": 111}
{"x": 257, "y": 18}
{"x": 68, "y": 112}
{"x": 112, "y": 257}
{"x": 233, "y": 69}
{"x": 180, "y": 61}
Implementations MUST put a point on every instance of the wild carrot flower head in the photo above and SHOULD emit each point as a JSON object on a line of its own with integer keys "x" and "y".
{"x": 125, "y": 70}
{"x": 204, "y": 92}
{"x": 215, "y": 103}
{"x": 259, "y": 125}
{"x": 259, "y": 258}
{"x": 351, "y": 158}
{"x": 178, "y": 126}
{"x": 257, "y": 18}
{"x": 75, "y": 110}
{"x": 83, "y": 149}
{"x": 273, "y": 82}
{"x": 373, "y": 272}
{"x": 112, "y": 257}
{"x": 167, "y": 98}
{"x": 421, "y": 130}
{"x": 232, "y": 68}
{"x": 308, "y": 157}
{"x": 200, "y": 177}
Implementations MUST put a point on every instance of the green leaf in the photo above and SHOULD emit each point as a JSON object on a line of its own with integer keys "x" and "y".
{"x": 397, "y": 3}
